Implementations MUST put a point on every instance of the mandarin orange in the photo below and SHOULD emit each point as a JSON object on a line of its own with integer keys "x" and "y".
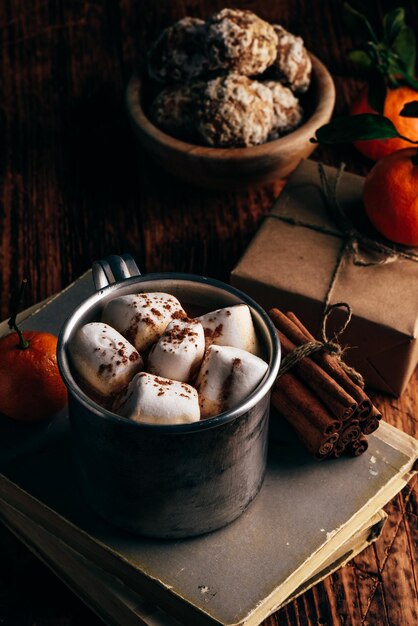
{"x": 390, "y": 197}
{"x": 31, "y": 387}
{"x": 395, "y": 100}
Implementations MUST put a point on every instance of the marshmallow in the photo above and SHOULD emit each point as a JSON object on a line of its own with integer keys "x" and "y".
{"x": 156, "y": 400}
{"x": 231, "y": 326}
{"x": 226, "y": 377}
{"x": 142, "y": 318}
{"x": 179, "y": 351}
{"x": 103, "y": 358}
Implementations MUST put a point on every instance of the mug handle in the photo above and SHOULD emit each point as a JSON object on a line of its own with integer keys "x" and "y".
{"x": 113, "y": 269}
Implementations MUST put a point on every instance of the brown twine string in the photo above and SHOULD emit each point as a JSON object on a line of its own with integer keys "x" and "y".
{"x": 389, "y": 252}
{"x": 331, "y": 346}
{"x": 353, "y": 239}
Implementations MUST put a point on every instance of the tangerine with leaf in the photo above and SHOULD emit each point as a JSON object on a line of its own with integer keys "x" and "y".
{"x": 390, "y": 194}
{"x": 386, "y": 56}
{"x": 395, "y": 100}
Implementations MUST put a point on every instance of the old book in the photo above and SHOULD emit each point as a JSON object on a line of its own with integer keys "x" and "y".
{"x": 116, "y": 603}
{"x": 105, "y": 594}
{"x": 304, "y": 514}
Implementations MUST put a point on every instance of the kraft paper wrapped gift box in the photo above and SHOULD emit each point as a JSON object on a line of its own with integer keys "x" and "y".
{"x": 290, "y": 266}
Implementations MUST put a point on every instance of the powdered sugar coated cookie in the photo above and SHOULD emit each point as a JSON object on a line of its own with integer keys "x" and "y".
{"x": 239, "y": 41}
{"x": 235, "y": 111}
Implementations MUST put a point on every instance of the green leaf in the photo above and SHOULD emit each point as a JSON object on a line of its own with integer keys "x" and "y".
{"x": 404, "y": 45}
{"x": 393, "y": 23}
{"x": 410, "y": 109}
{"x": 356, "y": 128}
{"x": 361, "y": 60}
{"x": 407, "y": 78}
{"x": 357, "y": 23}
{"x": 376, "y": 93}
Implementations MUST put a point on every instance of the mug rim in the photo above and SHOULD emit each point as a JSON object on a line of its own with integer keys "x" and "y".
{"x": 226, "y": 416}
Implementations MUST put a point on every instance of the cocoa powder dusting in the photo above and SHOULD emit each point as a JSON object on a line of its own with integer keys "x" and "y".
{"x": 148, "y": 321}
{"x": 104, "y": 367}
{"x": 178, "y": 315}
{"x": 163, "y": 381}
{"x": 130, "y": 332}
{"x": 213, "y": 334}
{"x": 178, "y": 334}
{"x": 228, "y": 384}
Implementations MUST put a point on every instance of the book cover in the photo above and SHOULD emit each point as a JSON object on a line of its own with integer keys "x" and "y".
{"x": 304, "y": 513}
{"x": 116, "y": 603}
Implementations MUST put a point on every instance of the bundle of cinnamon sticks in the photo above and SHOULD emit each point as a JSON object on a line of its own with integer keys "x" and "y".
{"x": 327, "y": 407}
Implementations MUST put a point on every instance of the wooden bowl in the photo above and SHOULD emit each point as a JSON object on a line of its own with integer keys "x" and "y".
{"x": 235, "y": 168}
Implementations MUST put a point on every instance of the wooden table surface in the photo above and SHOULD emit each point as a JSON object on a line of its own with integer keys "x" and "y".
{"x": 75, "y": 187}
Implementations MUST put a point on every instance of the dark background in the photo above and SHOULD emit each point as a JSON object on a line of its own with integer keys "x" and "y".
{"x": 75, "y": 186}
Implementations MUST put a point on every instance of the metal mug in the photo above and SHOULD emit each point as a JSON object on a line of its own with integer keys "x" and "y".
{"x": 168, "y": 481}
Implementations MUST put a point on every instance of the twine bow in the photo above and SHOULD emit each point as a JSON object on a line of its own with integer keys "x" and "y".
{"x": 353, "y": 240}
{"x": 331, "y": 346}
{"x": 353, "y": 243}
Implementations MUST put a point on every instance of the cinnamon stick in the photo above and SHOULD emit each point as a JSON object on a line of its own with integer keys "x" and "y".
{"x": 297, "y": 332}
{"x": 312, "y": 438}
{"x": 357, "y": 447}
{"x": 371, "y": 422}
{"x": 326, "y": 448}
{"x": 337, "y": 452}
{"x": 327, "y": 407}
{"x": 334, "y": 397}
{"x": 370, "y": 426}
{"x": 308, "y": 404}
{"x": 349, "y": 434}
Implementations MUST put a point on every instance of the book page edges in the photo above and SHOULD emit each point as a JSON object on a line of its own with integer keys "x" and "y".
{"x": 278, "y": 597}
{"x": 369, "y": 533}
{"x": 92, "y": 548}
{"x": 110, "y": 597}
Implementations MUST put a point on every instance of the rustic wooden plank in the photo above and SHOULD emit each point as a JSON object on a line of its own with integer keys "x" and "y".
{"x": 398, "y": 581}
{"x": 411, "y": 499}
{"x": 376, "y": 612}
{"x": 366, "y": 585}
{"x": 342, "y": 606}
